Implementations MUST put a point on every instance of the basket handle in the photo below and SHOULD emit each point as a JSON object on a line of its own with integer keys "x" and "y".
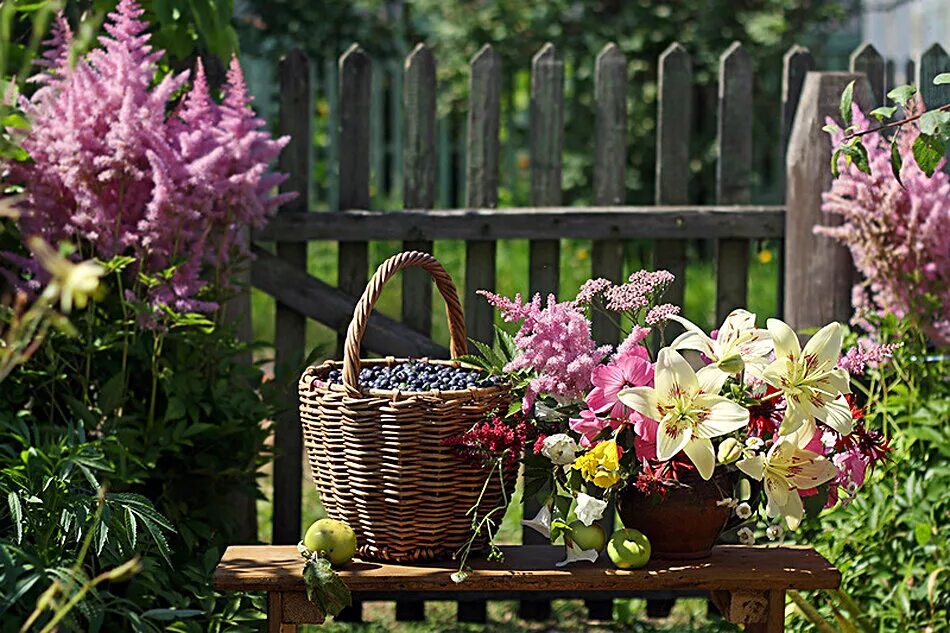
{"x": 386, "y": 270}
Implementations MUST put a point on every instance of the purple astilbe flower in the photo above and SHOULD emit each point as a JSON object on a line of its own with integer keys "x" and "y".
{"x": 898, "y": 235}
{"x": 865, "y": 354}
{"x": 117, "y": 170}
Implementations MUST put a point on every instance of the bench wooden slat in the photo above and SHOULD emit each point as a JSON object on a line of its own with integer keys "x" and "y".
{"x": 531, "y": 568}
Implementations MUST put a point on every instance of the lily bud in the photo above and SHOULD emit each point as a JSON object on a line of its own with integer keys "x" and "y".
{"x": 732, "y": 364}
{"x": 729, "y": 451}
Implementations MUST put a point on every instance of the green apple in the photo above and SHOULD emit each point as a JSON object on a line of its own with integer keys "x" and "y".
{"x": 628, "y": 549}
{"x": 588, "y": 536}
{"x": 332, "y": 539}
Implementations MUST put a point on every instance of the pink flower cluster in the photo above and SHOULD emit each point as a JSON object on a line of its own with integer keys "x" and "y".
{"x": 865, "y": 354}
{"x": 898, "y": 234}
{"x": 555, "y": 344}
{"x": 604, "y": 409}
{"x": 119, "y": 169}
{"x": 642, "y": 289}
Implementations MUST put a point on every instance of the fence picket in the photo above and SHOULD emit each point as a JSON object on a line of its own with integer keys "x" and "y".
{"x": 355, "y": 72}
{"x": 796, "y": 63}
{"x": 481, "y": 190}
{"x": 610, "y": 163}
{"x": 674, "y": 101}
{"x": 931, "y": 63}
{"x": 865, "y": 59}
{"x": 547, "y": 143}
{"x": 733, "y": 169}
{"x": 353, "y": 257}
{"x": 419, "y": 168}
{"x": 290, "y": 326}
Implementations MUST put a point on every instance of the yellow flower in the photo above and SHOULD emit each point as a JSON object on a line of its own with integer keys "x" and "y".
{"x": 765, "y": 256}
{"x": 601, "y": 464}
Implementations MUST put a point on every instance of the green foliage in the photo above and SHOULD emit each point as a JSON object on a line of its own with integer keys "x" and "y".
{"x": 892, "y": 542}
{"x": 171, "y": 414}
{"x": 929, "y": 146}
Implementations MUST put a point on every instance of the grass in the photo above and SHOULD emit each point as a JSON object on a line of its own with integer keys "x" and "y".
{"x": 569, "y": 615}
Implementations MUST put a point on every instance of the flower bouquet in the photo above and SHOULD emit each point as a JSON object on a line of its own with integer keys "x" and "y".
{"x": 743, "y": 430}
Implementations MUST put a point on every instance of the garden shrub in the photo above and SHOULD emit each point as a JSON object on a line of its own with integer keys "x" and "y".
{"x": 147, "y": 400}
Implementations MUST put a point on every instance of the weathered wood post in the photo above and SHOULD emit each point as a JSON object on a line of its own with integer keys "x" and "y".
{"x": 290, "y": 325}
{"x": 818, "y": 271}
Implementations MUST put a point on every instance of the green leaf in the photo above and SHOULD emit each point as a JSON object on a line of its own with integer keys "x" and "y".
{"x": 14, "y": 120}
{"x": 16, "y": 513}
{"x": 928, "y": 150}
{"x": 897, "y": 161}
{"x": 834, "y": 162}
{"x": 922, "y": 533}
{"x": 847, "y": 97}
{"x": 942, "y": 79}
{"x": 324, "y": 587}
{"x": 902, "y": 94}
{"x": 831, "y": 128}
{"x": 111, "y": 396}
{"x": 935, "y": 123}
{"x": 884, "y": 112}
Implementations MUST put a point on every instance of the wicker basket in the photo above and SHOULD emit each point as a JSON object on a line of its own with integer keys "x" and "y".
{"x": 378, "y": 457}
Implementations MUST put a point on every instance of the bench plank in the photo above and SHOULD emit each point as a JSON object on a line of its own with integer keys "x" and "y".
{"x": 531, "y": 568}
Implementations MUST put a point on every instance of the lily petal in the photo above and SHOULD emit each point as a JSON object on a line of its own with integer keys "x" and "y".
{"x": 670, "y": 440}
{"x": 753, "y": 466}
{"x": 825, "y": 345}
{"x": 785, "y": 340}
{"x": 793, "y": 510}
{"x": 700, "y": 452}
{"x": 837, "y": 415}
{"x": 725, "y": 416}
{"x": 711, "y": 379}
{"x": 673, "y": 374}
{"x": 640, "y": 399}
{"x": 735, "y": 324}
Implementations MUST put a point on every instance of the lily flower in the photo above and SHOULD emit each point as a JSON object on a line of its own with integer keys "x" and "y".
{"x": 812, "y": 384}
{"x": 785, "y": 470}
{"x": 738, "y": 343}
{"x": 689, "y": 410}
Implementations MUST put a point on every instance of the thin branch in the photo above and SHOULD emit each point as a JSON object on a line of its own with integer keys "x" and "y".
{"x": 851, "y": 135}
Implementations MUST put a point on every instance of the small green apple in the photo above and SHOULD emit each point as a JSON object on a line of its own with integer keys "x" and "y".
{"x": 588, "y": 536}
{"x": 628, "y": 549}
{"x": 332, "y": 539}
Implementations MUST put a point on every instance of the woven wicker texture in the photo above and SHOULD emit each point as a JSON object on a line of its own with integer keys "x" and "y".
{"x": 377, "y": 456}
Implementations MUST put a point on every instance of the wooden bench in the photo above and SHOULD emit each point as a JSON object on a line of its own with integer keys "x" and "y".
{"x": 748, "y": 584}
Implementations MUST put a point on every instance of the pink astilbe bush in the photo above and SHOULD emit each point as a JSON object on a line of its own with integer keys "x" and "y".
{"x": 554, "y": 342}
{"x": 119, "y": 169}
{"x": 899, "y": 235}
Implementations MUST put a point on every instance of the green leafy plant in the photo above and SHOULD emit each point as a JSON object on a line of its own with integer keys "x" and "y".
{"x": 929, "y": 146}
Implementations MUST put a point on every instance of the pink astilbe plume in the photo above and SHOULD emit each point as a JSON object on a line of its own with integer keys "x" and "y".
{"x": 119, "y": 171}
{"x": 899, "y": 236}
{"x": 555, "y": 344}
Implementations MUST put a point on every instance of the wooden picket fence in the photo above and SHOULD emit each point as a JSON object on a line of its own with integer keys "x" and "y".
{"x": 732, "y": 222}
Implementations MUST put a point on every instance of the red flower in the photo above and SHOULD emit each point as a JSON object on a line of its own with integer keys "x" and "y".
{"x": 765, "y": 416}
{"x": 487, "y": 441}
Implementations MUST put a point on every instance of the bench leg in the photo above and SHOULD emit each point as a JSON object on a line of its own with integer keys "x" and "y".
{"x": 759, "y": 611}
{"x": 775, "y": 618}
{"x": 275, "y": 614}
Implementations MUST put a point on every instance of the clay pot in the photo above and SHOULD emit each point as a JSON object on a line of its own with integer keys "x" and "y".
{"x": 685, "y": 523}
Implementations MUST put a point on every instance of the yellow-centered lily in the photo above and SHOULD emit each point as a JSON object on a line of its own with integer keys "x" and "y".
{"x": 786, "y": 469}
{"x": 689, "y": 409}
{"x": 809, "y": 379}
{"x": 738, "y": 343}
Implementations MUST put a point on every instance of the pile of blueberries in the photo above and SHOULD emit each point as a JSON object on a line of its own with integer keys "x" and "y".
{"x": 418, "y": 376}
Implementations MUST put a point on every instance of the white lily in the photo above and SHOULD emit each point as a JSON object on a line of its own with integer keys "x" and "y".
{"x": 689, "y": 409}
{"x": 575, "y": 554}
{"x": 786, "y": 469}
{"x": 810, "y": 380}
{"x": 589, "y": 509}
{"x": 541, "y": 523}
{"x": 738, "y": 343}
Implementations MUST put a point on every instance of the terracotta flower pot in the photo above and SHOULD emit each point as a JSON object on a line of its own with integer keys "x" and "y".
{"x": 686, "y": 522}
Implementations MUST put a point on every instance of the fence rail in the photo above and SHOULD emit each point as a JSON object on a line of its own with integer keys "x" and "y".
{"x": 731, "y": 223}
